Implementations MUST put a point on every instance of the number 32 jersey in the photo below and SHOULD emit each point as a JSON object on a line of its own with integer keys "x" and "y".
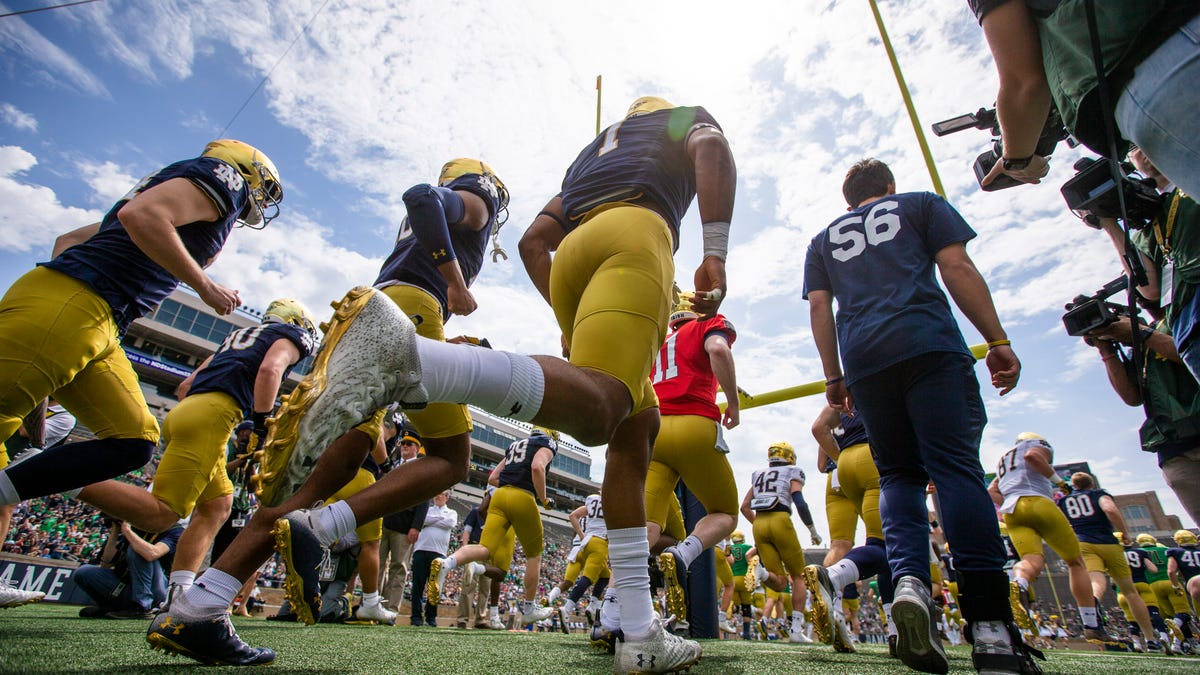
{"x": 877, "y": 261}
{"x": 683, "y": 378}
{"x": 773, "y": 487}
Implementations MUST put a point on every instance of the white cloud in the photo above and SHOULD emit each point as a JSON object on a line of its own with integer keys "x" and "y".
{"x": 108, "y": 181}
{"x": 33, "y": 215}
{"x": 17, "y": 118}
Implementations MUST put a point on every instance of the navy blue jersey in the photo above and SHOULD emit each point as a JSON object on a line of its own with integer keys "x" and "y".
{"x": 877, "y": 261}
{"x": 640, "y": 158}
{"x": 475, "y": 522}
{"x": 1188, "y": 560}
{"x": 411, "y": 263}
{"x": 235, "y": 364}
{"x": 127, "y": 278}
{"x": 518, "y": 461}
{"x": 854, "y": 431}
{"x": 1137, "y": 558}
{"x": 1089, "y": 521}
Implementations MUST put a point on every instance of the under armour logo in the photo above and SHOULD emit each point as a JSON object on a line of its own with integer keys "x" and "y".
{"x": 644, "y": 662}
{"x": 440, "y": 253}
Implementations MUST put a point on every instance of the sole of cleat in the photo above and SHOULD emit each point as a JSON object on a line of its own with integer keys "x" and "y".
{"x": 433, "y": 594}
{"x": 821, "y": 614}
{"x": 676, "y": 602}
{"x": 925, "y": 657}
{"x": 293, "y": 587}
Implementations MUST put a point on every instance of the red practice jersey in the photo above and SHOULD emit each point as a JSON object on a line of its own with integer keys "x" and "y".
{"x": 682, "y": 377}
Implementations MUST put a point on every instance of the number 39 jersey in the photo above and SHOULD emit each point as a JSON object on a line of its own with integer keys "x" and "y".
{"x": 683, "y": 378}
{"x": 234, "y": 366}
{"x": 877, "y": 261}
{"x": 1015, "y": 479}
{"x": 518, "y": 461}
{"x": 1089, "y": 521}
{"x": 772, "y": 488}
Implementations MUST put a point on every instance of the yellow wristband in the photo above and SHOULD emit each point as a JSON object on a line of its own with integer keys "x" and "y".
{"x": 999, "y": 343}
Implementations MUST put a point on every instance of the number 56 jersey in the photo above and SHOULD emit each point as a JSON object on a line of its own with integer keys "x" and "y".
{"x": 877, "y": 261}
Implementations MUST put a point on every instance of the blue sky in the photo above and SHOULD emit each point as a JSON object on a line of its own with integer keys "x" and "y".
{"x": 374, "y": 98}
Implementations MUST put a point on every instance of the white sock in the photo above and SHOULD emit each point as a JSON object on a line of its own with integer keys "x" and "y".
{"x": 689, "y": 549}
{"x": 449, "y": 562}
{"x": 887, "y": 614}
{"x": 628, "y": 550}
{"x": 370, "y": 599}
{"x": 1089, "y": 617}
{"x": 569, "y": 606}
{"x": 210, "y": 596}
{"x": 841, "y": 573}
{"x": 610, "y": 611}
{"x": 553, "y": 594}
{"x": 798, "y": 623}
{"x": 333, "y": 522}
{"x": 761, "y": 573}
{"x": 526, "y": 606}
{"x": 184, "y": 578}
{"x": 500, "y": 382}
{"x": 494, "y": 612}
{"x": 1023, "y": 583}
{"x": 721, "y": 618}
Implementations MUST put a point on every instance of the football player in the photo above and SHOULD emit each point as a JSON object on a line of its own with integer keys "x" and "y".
{"x": 852, "y": 492}
{"x": 725, "y": 581}
{"x": 520, "y": 480}
{"x": 768, "y": 505}
{"x": 1024, "y": 489}
{"x": 239, "y": 381}
{"x": 592, "y": 558}
{"x": 1093, "y": 516}
{"x": 1140, "y": 563}
{"x": 693, "y": 361}
{"x": 438, "y": 253}
{"x": 1170, "y": 604}
{"x": 740, "y": 554}
{"x": 1183, "y": 564}
{"x": 62, "y": 321}
{"x": 908, "y": 372}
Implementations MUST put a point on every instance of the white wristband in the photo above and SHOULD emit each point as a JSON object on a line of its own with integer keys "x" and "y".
{"x": 716, "y": 238}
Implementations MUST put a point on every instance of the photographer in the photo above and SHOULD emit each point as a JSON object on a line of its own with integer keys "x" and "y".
{"x": 1151, "y": 61}
{"x": 129, "y": 581}
{"x": 1170, "y": 396}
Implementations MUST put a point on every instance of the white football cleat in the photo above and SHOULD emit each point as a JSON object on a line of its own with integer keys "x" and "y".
{"x": 661, "y": 652}
{"x": 11, "y": 596}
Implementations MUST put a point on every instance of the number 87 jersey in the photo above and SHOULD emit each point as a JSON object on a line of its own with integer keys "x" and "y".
{"x": 878, "y": 263}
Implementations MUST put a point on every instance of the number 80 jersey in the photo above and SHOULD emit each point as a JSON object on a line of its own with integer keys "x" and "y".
{"x": 877, "y": 261}
{"x": 772, "y": 488}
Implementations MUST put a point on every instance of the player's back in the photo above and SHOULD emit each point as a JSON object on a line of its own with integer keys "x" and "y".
{"x": 1089, "y": 521}
{"x": 234, "y": 366}
{"x": 594, "y": 524}
{"x": 683, "y": 377}
{"x": 1016, "y": 479}
{"x": 850, "y": 432}
{"x": 640, "y": 159}
{"x": 1188, "y": 560}
{"x": 518, "y": 461}
{"x": 1137, "y": 558}
{"x": 772, "y": 487}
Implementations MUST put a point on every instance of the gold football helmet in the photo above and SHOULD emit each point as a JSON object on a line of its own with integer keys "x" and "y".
{"x": 648, "y": 104}
{"x": 781, "y": 452}
{"x": 683, "y": 308}
{"x": 286, "y": 310}
{"x": 266, "y": 192}
{"x": 1186, "y": 538}
{"x": 738, "y": 537}
{"x": 464, "y": 165}
{"x": 552, "y": 433}
{"x": 1146, "y": 539}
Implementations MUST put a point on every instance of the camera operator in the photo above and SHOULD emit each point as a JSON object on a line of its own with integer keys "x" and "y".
{"x": 129, "y": 580}
{"x": 1170, "y": 396}
{"x": 1170, "y": 253}
{"x": 1151, "y": 60}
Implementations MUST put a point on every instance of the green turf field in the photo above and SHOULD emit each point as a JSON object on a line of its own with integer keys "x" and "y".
{"x": 52, "y": 639}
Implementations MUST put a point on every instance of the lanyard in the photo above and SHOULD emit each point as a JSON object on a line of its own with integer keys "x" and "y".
{"x": 1164, "y": 238}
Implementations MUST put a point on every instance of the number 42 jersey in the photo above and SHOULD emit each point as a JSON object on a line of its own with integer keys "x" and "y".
{"x": 877, "y": 261}
{"x": 773, "y": 488}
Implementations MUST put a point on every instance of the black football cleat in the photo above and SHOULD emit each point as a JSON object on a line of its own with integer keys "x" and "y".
{"x": 209, "y": 641}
